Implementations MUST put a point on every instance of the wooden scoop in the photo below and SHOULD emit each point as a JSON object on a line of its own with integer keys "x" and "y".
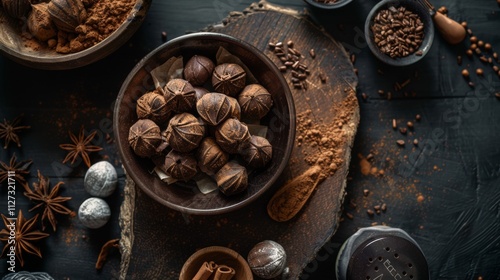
{"x": 292, "y": 196}
{"x": 452, "y": 31}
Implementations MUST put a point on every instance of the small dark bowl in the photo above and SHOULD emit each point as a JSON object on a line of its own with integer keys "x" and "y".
{"x": 219, "y": 255}
{"x": 280, "y": 120}
{"x": 325, "y": 6}
{"x": 13, "y": 47}
{"x": 413, "y": 6}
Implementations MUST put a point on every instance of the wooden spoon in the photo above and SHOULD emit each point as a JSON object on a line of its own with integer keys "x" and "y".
{"x": 452, "y": 31}
{"x": 292, "y": 196}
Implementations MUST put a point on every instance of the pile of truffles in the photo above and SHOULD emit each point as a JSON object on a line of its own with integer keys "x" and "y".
{"x": 194, "y": 124}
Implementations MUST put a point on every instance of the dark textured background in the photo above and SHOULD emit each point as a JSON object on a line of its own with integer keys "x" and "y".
{"x": 456, "y": 167}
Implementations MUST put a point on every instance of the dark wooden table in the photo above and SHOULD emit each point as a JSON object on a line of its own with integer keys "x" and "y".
{"x": 444, "y": 191}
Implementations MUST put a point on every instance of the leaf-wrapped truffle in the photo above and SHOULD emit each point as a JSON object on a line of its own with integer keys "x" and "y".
{"x": 153, "y": 106}
{"x": 229, "y": 78}
{"x": 231, "y": 135}
{"x": 180, "y": 166}
{"x": 257, "y": 152}
{"x": 144, "y": 136}
{"x": 255, "y": 101}
{"x": 198, "y": 70}
{"x": 179, "y": 95}
{"x": 214, "y": 108}
{"x": 184, "y": 132}
{"x": 232, "y": 178}
{"x": 210, "y": 156}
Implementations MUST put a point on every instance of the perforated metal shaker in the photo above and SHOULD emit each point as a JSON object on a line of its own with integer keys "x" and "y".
{"x": 379, "y": 253}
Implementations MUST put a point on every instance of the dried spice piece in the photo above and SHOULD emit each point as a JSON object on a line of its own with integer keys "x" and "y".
{"x": 198, "y": 70}
{"x": 184, "y": 132}
{"x": 214, "y": 108}
{"x": 257, "y": 152}
{"x": 180, "y": 166}
{"x": 50, "y": 201}
{"x": 180, "y": 95}
{"x": 255, "y": 101}
{"x": 80, "y": 147}
{"x": 103, "y": 254}
{"x": 24, "y": 237}
{"x": 8, "y": 131}
{"x": 229, "y": 78}
{"x": 210, "y": 156}
{"x": 152, "y": 105}
{"x": 20, "y": 169}
{"x": 231, "y": 135}
{"x": 232, "y": 178}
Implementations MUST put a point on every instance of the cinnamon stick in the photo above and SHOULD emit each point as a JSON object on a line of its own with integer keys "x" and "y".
{"x": 205, "y": 271}
{"x": 224, "y": 272}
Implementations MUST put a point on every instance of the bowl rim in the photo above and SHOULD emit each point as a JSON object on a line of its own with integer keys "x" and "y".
{"x": 289, "y": 101}
{"x": 333, "y": 6}
{"x": 399, "y": 61}
{"x": 217, "y": 249}
{"x": 84, "y": 57}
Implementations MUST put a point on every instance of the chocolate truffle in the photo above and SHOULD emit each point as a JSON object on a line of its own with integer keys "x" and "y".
{"x": 257, "y": 152}
{"x": 232, "y": 178}
{"x": 229, "y": 78}
{"x": 153, "y": 106}
{"x": 231, "y": 135}
{"x": 198, "y": 70}
{"x": 255, "y": 101}
{"x": 144, "y": 136}
{"x": 199, "y": 92}
{"x": 210, "y": 156}
{"x": 94, "y": 212}
{"x": 180, "y": 166}
{"x": 235, "y": 110}
{"x": 184, "y": 132}
{"x": 101, "y": 179}
{"x": 179, "y": 95}
{"x": 267, "y": 259}
{"x": 213, "y": 108}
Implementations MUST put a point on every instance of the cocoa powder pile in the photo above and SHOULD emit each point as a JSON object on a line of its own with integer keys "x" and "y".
{"x": 326, "y": 139}
{"x": 103, "y": 18}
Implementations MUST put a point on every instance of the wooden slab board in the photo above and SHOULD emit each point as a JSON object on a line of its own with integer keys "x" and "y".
{"x": 156, "y": 241}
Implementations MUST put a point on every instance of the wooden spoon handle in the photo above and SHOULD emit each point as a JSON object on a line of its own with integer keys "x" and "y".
{"x": 452, "y": 31}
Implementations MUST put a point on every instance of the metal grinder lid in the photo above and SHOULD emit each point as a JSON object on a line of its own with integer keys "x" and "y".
{"x": 388, "y": 257}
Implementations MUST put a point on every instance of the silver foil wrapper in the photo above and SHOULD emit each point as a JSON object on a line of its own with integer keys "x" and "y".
{"x": 25, "y": 275}
{"x": 101, "y": 179}
{"x": 94, "y": 212}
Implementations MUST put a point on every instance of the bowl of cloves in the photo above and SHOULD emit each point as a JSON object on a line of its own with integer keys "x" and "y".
{"x": 399, "y": 32}
{"x": 66, "y": 34}
{"x": 205, "y": 124}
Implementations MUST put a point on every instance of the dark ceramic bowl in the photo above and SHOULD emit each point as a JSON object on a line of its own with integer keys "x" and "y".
{"x": 338, "y": 4}
{"x": 280, "y": 121}
{"x": 219, "y": 255}
{"x": 13, "y": 47}
{"x": 413, "y": 6}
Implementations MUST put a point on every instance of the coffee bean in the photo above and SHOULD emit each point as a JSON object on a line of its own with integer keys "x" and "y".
{"x": 410, "y": 125}
{"x": 364, "y": 96}
{"x": 473, "y": 39}
{"x": 483, "y": 59}
{"x": 495, "y": 68}
{"x": 465, "y": 73}
{"x": 497, "y": 95}
{"x": 469, "y": 52}
{"x": 349, "y": 215}
{"x": 495, "y": 55}
{"x": 464, "y": 24}
{"x": 403, "y": 130}
{"x": 366, "y": 192}
{"x": 477, "y": 51}
{"x": 480, "y": 43}
{"x": 290, "y": 44}
{"x": 400, "y": 142}
{"x": 418, "y": 117}
{"x": 282, "y": 68}
{"x": 479, "y": 71}
{"x": 487, "y": 47}
{"x": 370, "y": 212}
{"x": 312, "y": 53}
{"x": 383, "y": 207}
{"x": 394, "y": 124}
{"x": 473, "y": 47}
{"x": 415, "y": 142}
{"x": 471, "y": 84}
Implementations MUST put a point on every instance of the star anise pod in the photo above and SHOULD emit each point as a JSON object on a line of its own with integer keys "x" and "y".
{"x": 19, "y": 169}
{"x": 8, "y": 131}
{"x": 25, "y": 234}
{"x": 49, "y": 200}
{"x": 80, "y": 147}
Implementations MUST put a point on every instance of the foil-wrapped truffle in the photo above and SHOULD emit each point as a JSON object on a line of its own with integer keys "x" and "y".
{"x": 210, "y": 156}
{"x": 229, "y": 78}
{"x": 179, "y": 95}
{"x": 180, "y": 166}
{"x": 94, "y": 212}
{"x": 255, "y": 101}
{"x": 214, "y": 108}
{"x": 231, "y": 135}
{"x": 257, "y": 152}
{"x": 198, "y": 70}
{"x": 152, "y": 105}
{"x": 184, "y": 132}
{"x": 267, "y": 259}
{"x": 144, "y": 137}
{"x": 101, "y": 179}
{"x": 232, "y": 178}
